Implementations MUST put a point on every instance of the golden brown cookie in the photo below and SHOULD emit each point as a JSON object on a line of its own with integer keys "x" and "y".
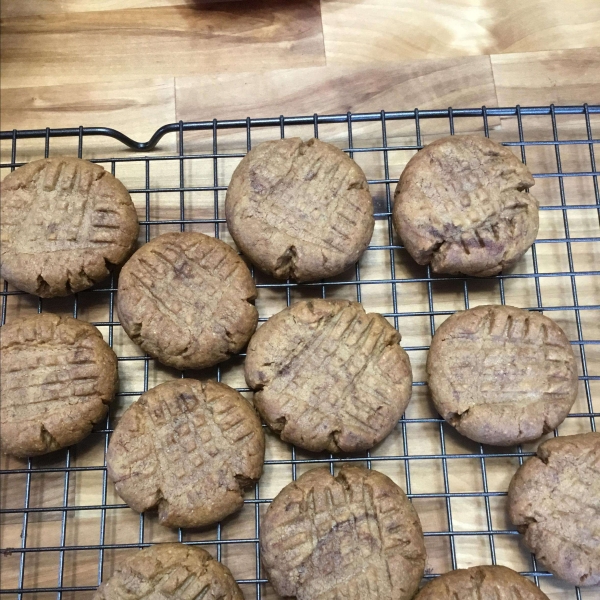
{"x": 461, "y": 205}
{"x": 186, "y": 299}
{"x": 64, "y": 223}
{"x": 329, "y": 376}
{"x": 58, "y": 376}
{"x": 173, "y": 572}
{"x": 481, "y": 583}
{"x": 351, "y": 536}
{"x": 189, "y": 448}
{"x": 502, "y": 375}
{"x": 300, "y": 209}
{"x": 554, "y": 500}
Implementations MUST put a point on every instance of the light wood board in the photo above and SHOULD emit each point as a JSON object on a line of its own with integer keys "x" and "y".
{"x": 138, "y": 64}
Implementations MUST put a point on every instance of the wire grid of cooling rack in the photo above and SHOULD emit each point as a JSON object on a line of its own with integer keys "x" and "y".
{"x": 216, "y": 540}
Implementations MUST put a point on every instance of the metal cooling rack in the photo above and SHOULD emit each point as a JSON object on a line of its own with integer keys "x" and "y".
{"x": 279, "y": 125}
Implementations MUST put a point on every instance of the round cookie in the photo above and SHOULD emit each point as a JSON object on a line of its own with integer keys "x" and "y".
{"x": 554, "y": 500}
{"x": 185, "y": 298}
{"x": 300, "y": 209}
{"x": 174, "y": 571}
{"x": 461, "y": 205}
{"x": 64, "y": 223}
{"x": 502, "y": 375}
{"x": 189, "y": 448}
{"x": 481, "y": 583}
{"x": 352, "y": 536}
{"x": 58, "y": 377}
{"x": 329, "y": 376}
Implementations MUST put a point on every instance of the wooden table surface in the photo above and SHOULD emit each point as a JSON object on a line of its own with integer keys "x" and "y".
{"x": 138, "y": 64}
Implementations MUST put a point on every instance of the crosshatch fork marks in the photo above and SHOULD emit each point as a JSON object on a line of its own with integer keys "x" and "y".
{"x": 64, "y": 222}
{"x": 515, "y": 349}
{"x": 502, "y": 375}
{"x": 461, "y": 205}
{"x": 172, "y": 571}
{"x": 186, "y": 299}
{"x": 57, "y": 377}
{"x": 328, "y": 375}
{"x": 553, "y": 500}
{"x": 299, "y": 209}
{"x": 189, "y": 448}
{"x": 289, "y": 208}
{"x": 65, "y": 214}
{"x": 352, "y": 536}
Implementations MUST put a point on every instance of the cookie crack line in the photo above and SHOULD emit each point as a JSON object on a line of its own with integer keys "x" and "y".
{"x": 48, "y": 439}
{"x": 286, "y": 263}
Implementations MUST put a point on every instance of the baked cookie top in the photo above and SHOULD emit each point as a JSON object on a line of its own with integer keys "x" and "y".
{"x": 329, "y": 376}
{"x": 58, "y": 376}
{"x": 461, "y": 205}
{"x": 554, "y": 500}
{"x": 186, "y": 299}
{"x": 64, "y": 222}
{"x": 502, "y": 375}
{"x": 300, "y": 209}
{"x": 481, "y": 583}
{"x": 355, "y": 535}
{"x": 189, "y": 448}
{"x": 174, "y": 571}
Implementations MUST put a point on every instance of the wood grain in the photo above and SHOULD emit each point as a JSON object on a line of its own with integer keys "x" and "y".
{"x": 541, "y": 78}
{"x": 107, "y": 104}
{"x": 334, "y": 90}
{"x": 24, "y": 8}
{"x": 366, "y": 31}
{"x": 138, "y": 64}
{"x": 134, "y": 110}
{"x": 149, "y": 42}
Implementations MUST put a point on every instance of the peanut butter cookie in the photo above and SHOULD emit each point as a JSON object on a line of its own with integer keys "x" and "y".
{"x": 461, "y": 205}
{"x": 58, "y": 377}
{"x": 300, "y": 209}
{"x": 481, "y": 583}
{"x": 170, "y": 572}
{"x": 329, "y": 376}
{"x": 65, "y": 222}
{"x": 355, "y": 535}
{"x": 502, "y": 375}
{"x": 186, "y": 299}
{"x": 554, "y": 500}
{"x": 189, "y": 448}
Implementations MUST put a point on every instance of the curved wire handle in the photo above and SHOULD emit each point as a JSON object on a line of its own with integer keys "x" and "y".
{"x": 302, "y": 120}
